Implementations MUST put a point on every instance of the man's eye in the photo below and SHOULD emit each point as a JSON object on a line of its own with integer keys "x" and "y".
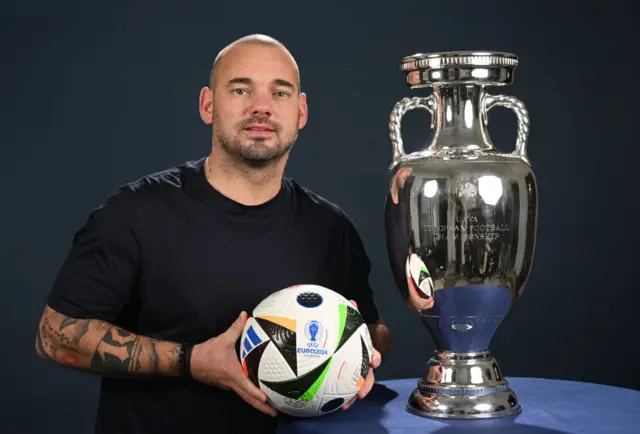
{"x": 239, "y": 91}
{"x": 281, "y": 94}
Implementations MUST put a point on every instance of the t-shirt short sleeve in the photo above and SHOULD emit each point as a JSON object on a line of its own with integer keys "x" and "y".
{"x": 358, "y": 287}
{"x": 97, "y": 276}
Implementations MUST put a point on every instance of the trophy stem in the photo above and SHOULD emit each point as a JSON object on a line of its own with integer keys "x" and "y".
{"x": 461, "y": 123}
{"x": 463, "y": 386}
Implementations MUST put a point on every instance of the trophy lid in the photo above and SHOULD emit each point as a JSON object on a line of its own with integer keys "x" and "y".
{"x": 491, "y": 68}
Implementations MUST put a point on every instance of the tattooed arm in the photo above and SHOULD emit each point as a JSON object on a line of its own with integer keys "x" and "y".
{"x": 102, "y": 348}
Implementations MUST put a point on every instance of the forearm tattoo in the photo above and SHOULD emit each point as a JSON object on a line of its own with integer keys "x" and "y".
{"x": 103, "y": 348}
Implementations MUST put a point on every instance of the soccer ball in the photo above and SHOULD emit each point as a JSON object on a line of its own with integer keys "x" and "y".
{"x": 418, "y": 276}
{"x": 308, "y": 349}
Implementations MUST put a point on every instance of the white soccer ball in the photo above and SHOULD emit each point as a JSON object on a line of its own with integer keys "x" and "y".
{"x": 418, "y": 276}
{"x": 307, "y": 348}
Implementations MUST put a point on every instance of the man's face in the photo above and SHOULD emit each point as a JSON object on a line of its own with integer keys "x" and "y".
{"x": 257, "y": 108}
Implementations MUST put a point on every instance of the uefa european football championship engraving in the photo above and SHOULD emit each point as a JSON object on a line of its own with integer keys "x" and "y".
{"x": 461, "y": 220}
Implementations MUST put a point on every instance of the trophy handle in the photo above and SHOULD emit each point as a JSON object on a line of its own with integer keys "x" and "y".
{"x": 523, "y": 120}
{"x": 395, "y": 121}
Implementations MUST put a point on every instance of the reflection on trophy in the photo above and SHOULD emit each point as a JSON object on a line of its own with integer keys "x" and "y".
{"x": 461, "y": 223}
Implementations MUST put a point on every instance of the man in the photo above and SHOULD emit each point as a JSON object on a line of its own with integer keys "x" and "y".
{"x": 155, "y": 291}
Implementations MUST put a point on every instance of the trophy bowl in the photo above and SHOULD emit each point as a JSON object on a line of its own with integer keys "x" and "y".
{"x": 460, "y": 222}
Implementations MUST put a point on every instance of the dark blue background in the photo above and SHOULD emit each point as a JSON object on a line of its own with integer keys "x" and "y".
{"x": 95, "y": 94}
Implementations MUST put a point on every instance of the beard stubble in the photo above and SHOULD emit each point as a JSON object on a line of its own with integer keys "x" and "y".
{"x": 256, "y": 154}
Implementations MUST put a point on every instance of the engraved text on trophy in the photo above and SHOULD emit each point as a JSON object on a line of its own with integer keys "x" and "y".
{"x": 467, "y": 227}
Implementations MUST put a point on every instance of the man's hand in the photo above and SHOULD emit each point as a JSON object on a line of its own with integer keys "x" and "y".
{"x": 215, "y": 362}
{"x": 376, "y": 360}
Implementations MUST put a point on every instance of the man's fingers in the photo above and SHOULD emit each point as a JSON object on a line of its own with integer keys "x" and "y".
{"x": 233, "y": 333}
{"x": 363, "y": 392}
{"x": 262, "y": 406}
{"x": 376, "y": 359}
{"x": 353, "y": 302}
{"x": 252, "y": 394}
{"x": 349, "y": 403}
{"x": 366, "y": 387}
{"x": 247, "y": 386}
{"x": 242, "y": 382}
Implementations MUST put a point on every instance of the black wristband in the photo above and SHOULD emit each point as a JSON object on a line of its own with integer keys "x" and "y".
{"x": 184, "y": 360}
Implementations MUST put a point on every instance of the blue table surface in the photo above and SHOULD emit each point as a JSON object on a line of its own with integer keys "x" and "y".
{"x": 548, "y": 407}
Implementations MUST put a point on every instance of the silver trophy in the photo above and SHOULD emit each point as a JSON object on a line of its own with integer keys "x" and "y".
{"x": 461, "y": 223}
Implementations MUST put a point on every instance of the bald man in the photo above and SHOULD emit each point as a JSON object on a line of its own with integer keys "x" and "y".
{"x": 155, "y": 290}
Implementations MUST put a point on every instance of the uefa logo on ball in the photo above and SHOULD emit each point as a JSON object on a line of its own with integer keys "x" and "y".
{"x": 313, "y": 331}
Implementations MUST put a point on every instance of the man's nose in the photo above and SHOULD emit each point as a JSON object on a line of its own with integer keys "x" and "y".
{"x": 261, "y": 105}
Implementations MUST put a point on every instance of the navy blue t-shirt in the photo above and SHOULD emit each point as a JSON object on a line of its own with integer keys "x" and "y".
{"x": 170, "y": 258}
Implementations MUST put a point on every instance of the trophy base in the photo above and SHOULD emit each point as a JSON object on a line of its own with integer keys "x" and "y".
{"x": 463, "y": 386}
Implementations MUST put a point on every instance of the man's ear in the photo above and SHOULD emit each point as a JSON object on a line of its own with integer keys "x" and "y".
{"x": 206, "y": 105}
{"x": 304, "y": 110}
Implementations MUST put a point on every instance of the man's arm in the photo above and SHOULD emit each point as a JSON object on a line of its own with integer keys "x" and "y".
{"x": 99, "y": 347}
{"x": 92, "y": 288}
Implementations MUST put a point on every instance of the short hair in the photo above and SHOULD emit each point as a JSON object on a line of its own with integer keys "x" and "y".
{"x": 258, "y": 39}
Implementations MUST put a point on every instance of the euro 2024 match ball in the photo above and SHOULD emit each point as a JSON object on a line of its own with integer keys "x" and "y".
{"x": 308, "y": 349}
